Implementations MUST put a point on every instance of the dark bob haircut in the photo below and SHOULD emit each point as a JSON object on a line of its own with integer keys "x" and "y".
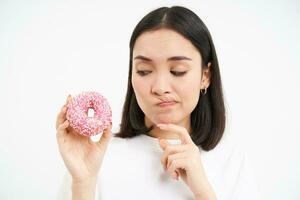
{"x": 208, "y": 117}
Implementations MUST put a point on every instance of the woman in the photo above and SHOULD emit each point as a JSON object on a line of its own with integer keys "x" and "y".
{"x": 169, "y": 145}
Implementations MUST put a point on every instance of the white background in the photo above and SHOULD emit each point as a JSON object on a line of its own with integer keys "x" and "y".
{"x": 49, "y": 49}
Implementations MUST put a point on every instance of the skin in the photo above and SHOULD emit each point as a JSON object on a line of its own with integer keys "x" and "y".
{"x": 155, "y": 78}
{"x": 83, "y": 157}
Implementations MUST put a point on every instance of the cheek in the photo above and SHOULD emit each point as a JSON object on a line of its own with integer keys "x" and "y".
{"x": 190, "y": 96}
{"x": 189, "y": 92}
{"x": 140, "y": 89}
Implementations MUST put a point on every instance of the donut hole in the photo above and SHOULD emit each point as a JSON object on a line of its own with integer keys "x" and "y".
{"x": 90, "y": 112}
{"x": 95, "y": 138}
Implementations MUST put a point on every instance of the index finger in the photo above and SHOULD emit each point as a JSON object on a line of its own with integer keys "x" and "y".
{"x": 181, "y": 131}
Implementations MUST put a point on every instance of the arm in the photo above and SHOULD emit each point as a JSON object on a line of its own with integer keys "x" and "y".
{"x": 210, "y": 195}
{"x": 82, "y": 157}
{"x": 207, "y": 191}
{"x": 184, "y": 161}
{"x": 84, "y": 190}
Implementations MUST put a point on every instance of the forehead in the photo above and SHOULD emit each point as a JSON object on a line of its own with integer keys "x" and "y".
{"x": 164, "y": 43}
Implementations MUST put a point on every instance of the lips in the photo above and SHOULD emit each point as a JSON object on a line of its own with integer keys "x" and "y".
{"x": 166, "y": 103}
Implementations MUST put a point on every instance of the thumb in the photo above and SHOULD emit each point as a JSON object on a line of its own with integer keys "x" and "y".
{"x": 104, "y": 140}
{"x": 163, "y": 143}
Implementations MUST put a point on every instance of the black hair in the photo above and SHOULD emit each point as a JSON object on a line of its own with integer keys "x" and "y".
{"x": 208, "y": 118}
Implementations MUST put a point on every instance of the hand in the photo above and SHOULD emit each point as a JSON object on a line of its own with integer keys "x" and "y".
{"x": 81, "y": 155}
{"x": 184, "y": 161}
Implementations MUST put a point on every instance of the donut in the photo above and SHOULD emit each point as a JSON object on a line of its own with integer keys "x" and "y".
{"x": 77, "y": 113}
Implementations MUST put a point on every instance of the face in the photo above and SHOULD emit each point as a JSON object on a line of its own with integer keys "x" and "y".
{"x": 166, "y": 69}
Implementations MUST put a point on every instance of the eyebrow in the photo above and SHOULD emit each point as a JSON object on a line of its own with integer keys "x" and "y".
{"x": 173, "y": 58}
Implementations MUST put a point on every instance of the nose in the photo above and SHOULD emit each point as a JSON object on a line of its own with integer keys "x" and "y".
{"x": 160, "y": 85}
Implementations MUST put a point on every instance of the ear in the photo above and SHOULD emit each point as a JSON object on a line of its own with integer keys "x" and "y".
{"x": 206, "y": 76}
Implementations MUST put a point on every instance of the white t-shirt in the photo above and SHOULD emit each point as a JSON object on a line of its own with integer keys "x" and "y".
{"x": 131, "y": 170}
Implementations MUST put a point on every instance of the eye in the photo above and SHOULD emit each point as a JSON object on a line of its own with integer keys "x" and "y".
{"x": 177, "y": 73}
{"x": 143, "y": 72}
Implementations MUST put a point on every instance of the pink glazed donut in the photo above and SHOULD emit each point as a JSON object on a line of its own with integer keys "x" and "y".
{"x": 77, "y": 113}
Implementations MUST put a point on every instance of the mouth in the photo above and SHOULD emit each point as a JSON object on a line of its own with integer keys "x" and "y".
{"x": 166, "y": 104}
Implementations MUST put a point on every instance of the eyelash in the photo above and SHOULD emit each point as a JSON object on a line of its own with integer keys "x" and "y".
{"x": 146, "y": 72}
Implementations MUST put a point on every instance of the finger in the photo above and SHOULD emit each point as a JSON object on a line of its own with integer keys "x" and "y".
{"x": 176, "y": 165}
{"x": 175, "y": 174}
{"x": 61, "y": 117}
{"x": 68, "y": 99}
{"x": 104, "y": 140}
{"x": 62, "y": 129}
{"x": 63, "y": 126}
{"x": 181, "y": 131}
{"x": 163, "y": 143}
{"x": 169, "y": 150}
{"x": 176, "y": 156}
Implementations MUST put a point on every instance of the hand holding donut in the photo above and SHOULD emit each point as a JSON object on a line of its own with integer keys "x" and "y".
{"x": 81, "y": 155}
{"x": 183, "y": 160}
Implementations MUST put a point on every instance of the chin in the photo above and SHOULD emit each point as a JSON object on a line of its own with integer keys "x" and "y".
{"x": 164, "y": 120}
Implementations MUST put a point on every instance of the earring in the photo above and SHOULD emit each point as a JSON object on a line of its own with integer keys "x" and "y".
{"x": 203, "y": 91}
